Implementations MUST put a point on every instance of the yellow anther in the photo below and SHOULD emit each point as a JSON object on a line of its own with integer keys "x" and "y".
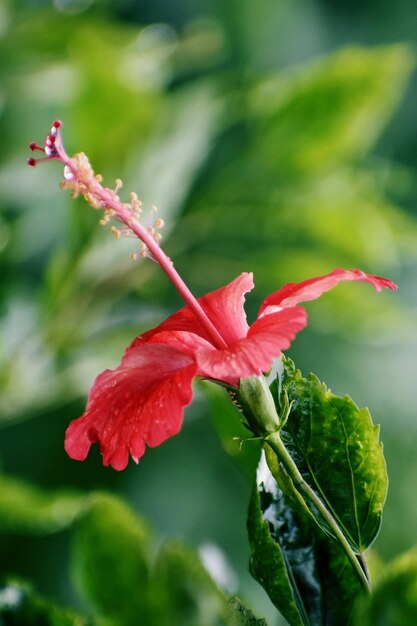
{"x": 136, "y": 205}
{"x": 106, "y": 217}
{"x": 93, "y": 200}
{"x": 115, "y": 232}
{"x": 159, "y": 222}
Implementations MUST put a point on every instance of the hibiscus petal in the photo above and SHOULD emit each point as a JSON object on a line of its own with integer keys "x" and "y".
{"x": 185, "y": 342}
{"x": 139, "y": 403}
{"x": 224, "y": 307}
{"x": 266, "y": 338}
{"x": 293, "y": 293}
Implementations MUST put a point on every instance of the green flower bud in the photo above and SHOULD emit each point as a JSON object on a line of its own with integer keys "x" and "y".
{"x": 257, "y": 404}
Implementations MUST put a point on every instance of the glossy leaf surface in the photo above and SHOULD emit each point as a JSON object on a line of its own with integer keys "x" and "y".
{"x": 305, "y": 573}
{"x": 337, "y": 449}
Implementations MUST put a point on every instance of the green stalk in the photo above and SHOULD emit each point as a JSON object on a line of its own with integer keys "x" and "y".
{"x": 277, "y": 445}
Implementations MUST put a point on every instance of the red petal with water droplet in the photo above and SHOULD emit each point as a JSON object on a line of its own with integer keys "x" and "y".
{"x": 139, "y": 403}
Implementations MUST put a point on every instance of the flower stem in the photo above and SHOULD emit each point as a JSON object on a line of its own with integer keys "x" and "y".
{"x": 275, "y": 442}
{"x": 255, "y": 400}
{"x": 167, "y": 265}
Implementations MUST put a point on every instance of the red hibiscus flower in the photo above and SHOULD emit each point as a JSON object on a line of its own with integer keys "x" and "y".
{"x": 142, "y": 401}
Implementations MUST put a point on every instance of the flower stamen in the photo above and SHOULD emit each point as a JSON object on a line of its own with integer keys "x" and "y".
{"x": 80, "y": 178}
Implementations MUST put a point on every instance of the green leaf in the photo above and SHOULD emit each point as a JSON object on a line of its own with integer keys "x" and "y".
{"x": 110, "y": 561}
{"x": 19, "y": 606}
{"x": 268, "y": 566}
{"x": 26, "y": 509}
{"x": 245, "y": 617}
{"x": 187, "y": 594}
{"x": 394, "y": 599}
{"x": 112, "y": 570}
{"x": 337, "y": 449}
{"x": 305, "y": 573}
{"x": 332, "y": 109}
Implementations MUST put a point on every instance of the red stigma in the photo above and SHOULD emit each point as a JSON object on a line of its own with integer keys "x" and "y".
{"x": 34, "y": 146}
{"x": 49, "y": 147}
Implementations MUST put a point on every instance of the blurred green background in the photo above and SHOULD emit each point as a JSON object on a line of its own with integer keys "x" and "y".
{"x": 276, "y": 136}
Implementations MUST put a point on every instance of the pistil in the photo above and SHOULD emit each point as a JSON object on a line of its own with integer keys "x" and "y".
{"x": 80, "y": 178}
